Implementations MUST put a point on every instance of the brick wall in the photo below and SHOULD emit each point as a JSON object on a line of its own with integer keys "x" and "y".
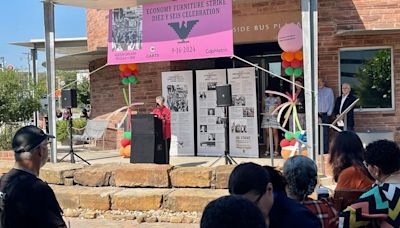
{"x": 6, "y": 155}
{"x": 96, "y": 28}
{"x": 335, "y": 15}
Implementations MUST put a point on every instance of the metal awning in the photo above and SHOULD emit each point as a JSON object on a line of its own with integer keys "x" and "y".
{"x": 64, "y": 46}
{"x": 78, "y": 61}
{"x": 362, "y": 32}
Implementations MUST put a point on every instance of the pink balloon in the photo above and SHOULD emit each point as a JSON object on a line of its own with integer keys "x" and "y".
{"x": 290, "y": 38}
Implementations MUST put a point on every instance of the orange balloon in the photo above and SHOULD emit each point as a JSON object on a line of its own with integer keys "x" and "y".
{"x": 285, "y": 152}
{"x": 123, "y": 67}
{"x": 127, "y": 151}
{"x": 298, "y": 55}
{"x": 121, "y": 151}
{"x": 132, "y": 66}
{"x": 289, "y": 56}
{"x": 283, "y": 55}
{"x": 57, "y": 93}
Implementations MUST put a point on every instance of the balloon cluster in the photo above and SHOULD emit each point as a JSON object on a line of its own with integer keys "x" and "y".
{"x": 290, "y": 138}
{"x": 292, "y": 62}
{"x": 290, "y": 144}
{"x": 128, "y": 73}
{"x": 125, "y": 149}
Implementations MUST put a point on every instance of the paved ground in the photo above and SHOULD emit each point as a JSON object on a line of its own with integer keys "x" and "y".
{"x": 112, "y": 156}
{"x": 103, "y": 223}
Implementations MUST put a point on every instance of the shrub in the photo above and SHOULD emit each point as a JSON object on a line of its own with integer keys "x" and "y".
{"x": 62, "y": 128}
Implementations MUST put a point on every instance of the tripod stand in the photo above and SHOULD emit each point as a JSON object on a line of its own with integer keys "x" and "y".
{"x": 71, "y": 148}
{"x": 228, "y": 159}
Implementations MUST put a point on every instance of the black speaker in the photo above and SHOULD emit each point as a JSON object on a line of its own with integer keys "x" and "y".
{"x": 224, "y": 95}
{"x": 69, "y": 98}
{"x": 147, "y": 140}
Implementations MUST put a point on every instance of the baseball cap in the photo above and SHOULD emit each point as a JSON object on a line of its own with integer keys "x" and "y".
{"x": 28, "y": 138}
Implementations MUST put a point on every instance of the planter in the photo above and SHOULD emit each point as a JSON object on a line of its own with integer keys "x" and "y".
{"x": 6, "y": 155}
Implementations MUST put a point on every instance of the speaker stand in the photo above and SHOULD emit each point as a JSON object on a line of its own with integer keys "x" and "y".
{"x": 228, "y": 159}
{"x": 71, "y": 148}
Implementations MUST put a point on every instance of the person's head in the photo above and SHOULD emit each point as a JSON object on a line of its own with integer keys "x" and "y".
{"x": 160, "y": 100}
{"x": 346, "y": 89}
{"x": 382, "y": 158}
{"x": 30, "y": 147}
{"x": 347, "y": 150}
{"x": 253, "y": 182}
{"x": 231, "y": 212}
{"x": 277, "y": 179}
{"x": 301, "y": 175}
{"x": 321, "y": 83}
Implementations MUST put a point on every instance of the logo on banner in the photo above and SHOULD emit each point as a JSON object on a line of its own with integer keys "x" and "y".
{"x": 183, "y": 30}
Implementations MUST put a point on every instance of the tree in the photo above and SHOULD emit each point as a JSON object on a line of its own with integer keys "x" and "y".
{"x": 374, "y": 77}
{"x": 83, "y": 92}
{"x": 18, "y": 101}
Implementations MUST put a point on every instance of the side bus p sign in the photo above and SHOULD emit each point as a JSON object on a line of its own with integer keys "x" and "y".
{"x": 176, "y": 30}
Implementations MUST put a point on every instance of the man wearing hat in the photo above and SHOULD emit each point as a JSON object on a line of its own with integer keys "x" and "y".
{"x": 25, "y": 200}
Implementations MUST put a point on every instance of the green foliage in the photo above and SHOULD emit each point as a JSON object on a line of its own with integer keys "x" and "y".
{"x": 374, "y": 77}
{"x": 6, "y": 135}
{"x": 19, "y": 98}
{"x": 69, "y": 77}
{"x": 63, "y": 131}
{"x": 83, "y": 93}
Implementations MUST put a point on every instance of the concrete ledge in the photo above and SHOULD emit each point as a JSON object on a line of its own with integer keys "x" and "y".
{"x": 5, "y": 166}
{"x": 139, "y": 199}
{"x": 56, "y": 173}
{"x": 84, "y": 197}
{"x": 222, "y": 174}
{"x": 141, "y": 175}
{"x": 191, "y": 199}
{"x": 95, "y": 175}
{"x": 195, "y": 177}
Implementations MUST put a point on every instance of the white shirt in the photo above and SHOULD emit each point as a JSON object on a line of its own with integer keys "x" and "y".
{"x": 342, "y": 102}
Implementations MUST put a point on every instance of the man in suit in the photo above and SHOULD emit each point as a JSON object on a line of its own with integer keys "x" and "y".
{"x": 343, "y": 102}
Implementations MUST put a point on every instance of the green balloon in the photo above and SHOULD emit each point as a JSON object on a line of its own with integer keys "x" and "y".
{"x": 297, "y": 72}
{"x": 127, "y": 135}
{"x": 131, "y": 79}
{"x": 288, "y": 135}
{"x": 125, "y": 81}
{"x": 297, "y": 134}
{"x": 289, "y": 71}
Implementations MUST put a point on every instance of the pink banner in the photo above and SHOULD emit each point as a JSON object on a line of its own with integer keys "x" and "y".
{"x": 178, "y": 30}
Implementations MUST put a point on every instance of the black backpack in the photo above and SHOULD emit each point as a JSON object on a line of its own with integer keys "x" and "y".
{"x": 5, "y": 189}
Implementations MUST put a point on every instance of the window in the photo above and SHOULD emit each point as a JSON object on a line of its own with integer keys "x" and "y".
{"x": 369, "y": 73}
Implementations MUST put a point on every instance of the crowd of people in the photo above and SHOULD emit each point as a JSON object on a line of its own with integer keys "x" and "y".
{"x": 283, "y": 198}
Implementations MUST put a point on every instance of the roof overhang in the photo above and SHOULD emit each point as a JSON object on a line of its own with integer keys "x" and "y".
{"x": 79, "y": 61}
{"x": 113, "y": 4}
{"x": 363, "y": 32}
{"x": 64, "y": 46}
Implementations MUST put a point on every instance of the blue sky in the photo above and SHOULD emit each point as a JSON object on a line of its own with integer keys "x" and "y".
{"x": 22, "y": 20}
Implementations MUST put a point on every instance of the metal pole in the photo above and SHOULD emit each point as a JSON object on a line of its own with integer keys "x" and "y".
{"x": 51, "y": 72}
{"x": 321, "y": 148}
{"x": 271, "y": 146}
{"x": 35, "y": 81}
{"x": 310, "y": 48}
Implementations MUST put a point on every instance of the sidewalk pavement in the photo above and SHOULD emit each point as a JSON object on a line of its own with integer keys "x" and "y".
{"x": 105, "y": 223}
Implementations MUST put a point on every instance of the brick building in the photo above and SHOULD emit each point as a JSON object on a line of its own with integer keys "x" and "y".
{"x": 351, "y": 33}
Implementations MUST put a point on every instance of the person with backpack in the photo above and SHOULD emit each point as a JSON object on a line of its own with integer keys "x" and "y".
{"x": 26, "y": 200}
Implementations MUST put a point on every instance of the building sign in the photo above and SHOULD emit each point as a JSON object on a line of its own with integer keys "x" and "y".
{"x": 177, "y": 88}
{"x": 176, "y": 30}
{"x": 262, "y": 28}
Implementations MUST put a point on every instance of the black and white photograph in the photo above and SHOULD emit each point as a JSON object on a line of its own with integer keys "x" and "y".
{"x": 203, "y": 96}
{"x": 211, "y": 111}
{"x": 127, "y": 27}
{"x": 177, "y": 98}
{"x": 248, "y": 112}
{"x": 203, "y": 128}
{"x": 238, "y": 100}
{"x": 211, "y": 85}
{"x": 221, "y": 120}
{"x": 211, "y": 137}
{"x": 238, "y": 128}
{"x": 207, "y": 144}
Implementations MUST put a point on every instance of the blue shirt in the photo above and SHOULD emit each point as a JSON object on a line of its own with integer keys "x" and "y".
{"x": 326, "y": 100}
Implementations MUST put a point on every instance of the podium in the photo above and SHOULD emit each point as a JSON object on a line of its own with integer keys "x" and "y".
{"x": 147, "y": 144}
